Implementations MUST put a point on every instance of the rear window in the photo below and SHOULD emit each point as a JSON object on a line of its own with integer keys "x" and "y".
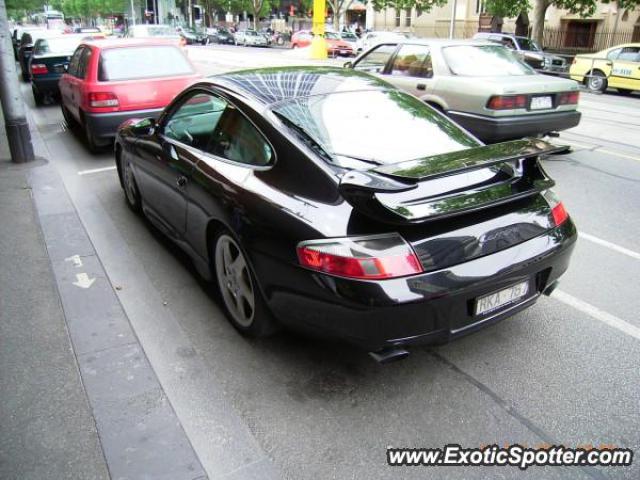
{"x": 142, "y": 62}
{"x": 484, "y": 61}
{"x": 62, "y": 46}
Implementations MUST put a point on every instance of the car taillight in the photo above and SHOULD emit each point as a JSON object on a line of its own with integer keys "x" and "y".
{"x": 39, "y": 69}
{"x": 509, "y": 102}
{"x": 558, "y": 212}
{"x": 102, "y": 99}
{"x": 183, "y": 41}
{"x": 569, "y": 98}
{"x": 370, "y": 258}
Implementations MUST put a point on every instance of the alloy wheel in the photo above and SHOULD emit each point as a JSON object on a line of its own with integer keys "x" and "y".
{"x": 235, "y": 282}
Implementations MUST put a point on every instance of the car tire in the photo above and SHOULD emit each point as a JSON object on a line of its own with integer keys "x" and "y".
{"x": 129, "y": 184}
{"x": 624, "y": 91}
{"x": 38, "y": 97}
{"x": 68, "y": 117}
{"x": 94, "y": 145}
{"x": 242, "y": 300}
{"x": 294, "y": 46}
{"x": 597, "y": 82}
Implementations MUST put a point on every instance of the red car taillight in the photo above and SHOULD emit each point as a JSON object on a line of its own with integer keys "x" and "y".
{"x": 569, "y": 98}
{"x": 370, "y": 258}
{"x": 501, "y": 102}
{"x": 39, "y": 69}
{"x": 102, "y": 99}
{"x": 558, "y": 212}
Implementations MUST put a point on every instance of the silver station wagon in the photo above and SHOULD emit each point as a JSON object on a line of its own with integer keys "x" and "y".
{"x": 484, "y": 87}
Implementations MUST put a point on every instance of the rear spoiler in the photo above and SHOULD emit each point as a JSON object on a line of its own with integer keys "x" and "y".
{"x": 386, "y": 192}
{"x": 470, "y": 159}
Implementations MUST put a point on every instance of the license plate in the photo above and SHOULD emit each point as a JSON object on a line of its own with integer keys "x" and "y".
{"x": 540, "y": 103}
{"x": 343, "y": 52}
{"x": 498, "y": 299}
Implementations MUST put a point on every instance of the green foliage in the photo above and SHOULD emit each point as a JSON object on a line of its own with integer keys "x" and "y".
{"x": 506, "y": 8}
{"x": 419, "y": 5}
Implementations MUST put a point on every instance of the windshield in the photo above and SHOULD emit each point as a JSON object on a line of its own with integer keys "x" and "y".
{"x": 62, "y": 46}
{"x": 528, "y": 44}
{"x": 396, "y": 126}
{"x": 349, "y": 36}
{"x": 115, "y": 63}
{"x": 332, "y": 36}
{"x": 484, "y": 61}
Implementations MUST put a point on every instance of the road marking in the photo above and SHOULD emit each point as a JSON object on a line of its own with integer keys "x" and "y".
{"x": 96, "y": 170}
{"x": 596, "y": 313}
{"x": 77, "y": 262}
{"x": 612, "y": 246}
{"x": 598, "y": 148}
{"x": 83, "y": 280}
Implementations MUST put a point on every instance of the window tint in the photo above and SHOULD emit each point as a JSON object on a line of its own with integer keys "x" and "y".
{"x": 149, "y": 62}
{"x": 375, "y": 61}
{"x": 629, "y": 54}
{"x": 194, "y": 122}
{"x": 83, "y": 63}
{"x": 63, "y": 45}
{"x": 75, "y": 59}
{"x": 210, "y": 124}
{"x": 413, "y": 61}
{"x": 613, "y": 54}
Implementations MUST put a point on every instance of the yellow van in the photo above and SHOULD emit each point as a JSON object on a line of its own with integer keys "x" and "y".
{"x": 617, "y": 67}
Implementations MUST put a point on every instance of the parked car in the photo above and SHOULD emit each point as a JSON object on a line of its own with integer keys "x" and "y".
{"x": 335, "y": 45}
{"x": 528, "y": 50}
{"x": 220, "y": 35}
{"x": 250, "y": 38}
{"x": 404, "y": 239}
{"x": 192, "y": 36}
{"x": 16, "y": 37}
{"x": 86, "y": 30}
{"x": 482, "y": 86}
{"x": 370, "y": 39}
{"x": 49, "y": 61}
{"x": 155, "y": 31}
{"x": 617, "y": 67}
{"x": 351, "y": 38}
{"x": 27, "y": 41}
{"x": 110, "y": 81}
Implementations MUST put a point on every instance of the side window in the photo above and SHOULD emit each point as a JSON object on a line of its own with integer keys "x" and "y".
{"x": 194, "y": 122}
{"x": 613, "y": 54}
{"x": 83, "y": 63}
{"x": 413, "y": 61}
{"x": 75, "y": 60}
{"x": 509, "y": 43}
{"x": 237, "y": 139}
{"x": 376, "y": 60}
{"x": 629, "y": 54}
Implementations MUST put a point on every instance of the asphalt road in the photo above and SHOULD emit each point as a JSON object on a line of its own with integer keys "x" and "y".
{"x": 563, "y": 372}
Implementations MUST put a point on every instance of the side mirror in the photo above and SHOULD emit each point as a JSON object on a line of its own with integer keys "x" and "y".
{"x": 348, "y": 65}
{"x": 144, "y": 127}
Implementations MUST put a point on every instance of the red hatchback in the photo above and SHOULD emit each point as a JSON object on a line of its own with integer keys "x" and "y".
{"x": 335, "y": 44}
{"x": 110, "y": 81}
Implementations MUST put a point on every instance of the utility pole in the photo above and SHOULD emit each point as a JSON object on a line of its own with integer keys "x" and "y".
{"x": 452, "y": 24}
{"x": 133, "y": 13}
{"x": 15, "y": 118}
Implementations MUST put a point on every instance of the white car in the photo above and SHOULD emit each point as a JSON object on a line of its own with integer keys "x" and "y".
{"x": 250, "y": 37}
{"x": 371, "y": 39}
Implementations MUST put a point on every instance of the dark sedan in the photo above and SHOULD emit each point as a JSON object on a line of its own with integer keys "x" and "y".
{"x": 328, "y": 201}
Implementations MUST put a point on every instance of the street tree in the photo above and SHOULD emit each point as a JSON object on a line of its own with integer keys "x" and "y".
{"x": 421, "y": 6}
{"x": 257, "y": 8}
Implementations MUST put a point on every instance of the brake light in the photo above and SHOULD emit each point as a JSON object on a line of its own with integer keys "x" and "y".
{"x": 569, "y": 98}
{"x": 510, "y": 102}
{"x": 39, "y": 69}
{"x": 371, "y": 258}
{"x": 183, "y": 41}
{"x": 558, "y": 213}
{"x": 102, "y": 99}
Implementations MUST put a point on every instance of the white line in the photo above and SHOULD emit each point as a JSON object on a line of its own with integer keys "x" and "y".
{"x": 96, "y": 170}
{"x": 612, "y": 246}
{"x": 598, "y": 148}
{"x": 596, "y": 313}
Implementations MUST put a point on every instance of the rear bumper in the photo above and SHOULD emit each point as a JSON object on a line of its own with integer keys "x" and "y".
{"x": 46, "y": 83}
{"x": 433, "y": 307}
{"x": 497, "y": 129}
{"x": 105, "y": 125}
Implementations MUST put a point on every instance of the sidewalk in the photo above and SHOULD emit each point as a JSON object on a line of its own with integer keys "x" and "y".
{"x": 46, "y": 426}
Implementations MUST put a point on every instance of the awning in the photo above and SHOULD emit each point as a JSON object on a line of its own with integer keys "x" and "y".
{"x": 357, "y": 7}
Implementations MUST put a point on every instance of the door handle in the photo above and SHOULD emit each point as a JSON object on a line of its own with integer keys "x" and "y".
{"x": 421, "y": 86}
{"x": 608, "y": 64}
{"x": 181, "y": 181}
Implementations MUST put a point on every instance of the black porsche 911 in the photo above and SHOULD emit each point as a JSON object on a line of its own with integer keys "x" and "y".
{"x": 330, "y": 202}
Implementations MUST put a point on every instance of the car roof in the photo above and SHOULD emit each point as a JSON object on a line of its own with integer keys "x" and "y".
{"x": 104, "y": 43}
{"x": 271, "y": 85}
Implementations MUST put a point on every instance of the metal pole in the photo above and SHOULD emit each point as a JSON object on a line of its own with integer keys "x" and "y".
{"x": 15, "y": 118}
{"x": 452, "y": 24}
{"x": 133, "y": 13}
{"x": 190, "y": 14}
